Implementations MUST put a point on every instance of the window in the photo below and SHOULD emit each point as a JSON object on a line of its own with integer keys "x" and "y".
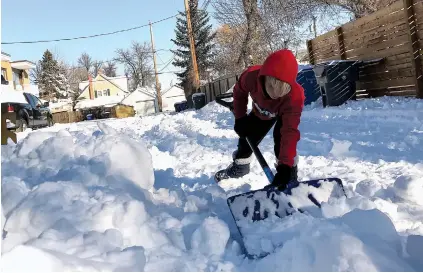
{"x": 32, "y": 100}
{"x": 102, "y": 93}
{"x": 17, "y": 77}
{"x": 4, "y": 73}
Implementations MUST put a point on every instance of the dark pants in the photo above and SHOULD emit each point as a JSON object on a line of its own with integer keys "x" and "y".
{"x": 260, "y": 130}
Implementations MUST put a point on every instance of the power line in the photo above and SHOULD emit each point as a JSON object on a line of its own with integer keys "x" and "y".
{"x": 90, "y": 36}
{"x": 113, "y": 60}
{"x": 168, "y": 63}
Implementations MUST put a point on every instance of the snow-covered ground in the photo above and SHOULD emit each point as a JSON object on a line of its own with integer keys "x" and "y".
{"x": 138, "y": 194}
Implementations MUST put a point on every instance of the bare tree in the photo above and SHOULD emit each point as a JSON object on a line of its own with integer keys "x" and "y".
{"x": 110, "y": 69}
{"x": 358, "y": 8}
{"x": 253, "y": 18}
{"x": 97, "y": 65}
{"x": 35, "y": 73}
{"x": 138, "y": 64}
{"x": 85, "y": 61}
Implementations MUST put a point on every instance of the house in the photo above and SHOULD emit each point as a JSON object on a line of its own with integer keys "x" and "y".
{"x": 15, "y": 75}
{"x": 143, "y": 99}
{"x": 171, "y": 96}
{"x": 103, "y": 86}
{"x": 145, "y": 102}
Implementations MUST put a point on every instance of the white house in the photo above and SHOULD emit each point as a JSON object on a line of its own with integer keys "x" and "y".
{"x": 145, "y": 102}
{"x": 171, "y": 96}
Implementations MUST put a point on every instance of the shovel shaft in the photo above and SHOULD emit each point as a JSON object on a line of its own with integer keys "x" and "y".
{"x": 261, "y": 160}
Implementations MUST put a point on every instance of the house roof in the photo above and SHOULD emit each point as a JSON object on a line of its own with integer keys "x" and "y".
{"x": 174, "y": 88}
{"x": 22, "y": 64}
{"x": 21, "y": 61}
{"x": 105, "y": 78}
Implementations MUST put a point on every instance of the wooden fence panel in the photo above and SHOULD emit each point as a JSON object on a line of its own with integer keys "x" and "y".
{"x": 395, "y": 34}
{"x": 418, "y": 11}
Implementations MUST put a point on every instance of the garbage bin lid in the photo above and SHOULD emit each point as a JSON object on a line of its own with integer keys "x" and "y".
{"x": 302, "y": 67}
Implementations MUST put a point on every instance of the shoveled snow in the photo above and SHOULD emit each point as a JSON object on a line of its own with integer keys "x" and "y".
{"x": 138, "y": 194}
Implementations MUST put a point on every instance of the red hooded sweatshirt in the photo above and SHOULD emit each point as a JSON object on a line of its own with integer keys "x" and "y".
{"x": 283, "y": 66}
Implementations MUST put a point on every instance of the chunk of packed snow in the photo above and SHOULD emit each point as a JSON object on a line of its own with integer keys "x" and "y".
{"x": 211, "y": 237}
{"x": 410, "y": 188}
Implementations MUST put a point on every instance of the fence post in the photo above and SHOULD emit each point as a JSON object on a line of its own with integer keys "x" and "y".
{"x": 210, "y": 95}
{"x": 227, "y": 83}
{"x": 310, "y": 52}
{"x": 341, "y": 46}
{"x": 414, "y": 46}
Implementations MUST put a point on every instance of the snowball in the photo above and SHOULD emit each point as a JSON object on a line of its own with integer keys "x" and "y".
{"x": 367, "y": 187}
{"x": 410, "y": 188}
{"x": 211, "y": 237}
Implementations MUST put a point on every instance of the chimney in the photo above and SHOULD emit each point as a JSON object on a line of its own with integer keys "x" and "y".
{"x": 90, "y": 87}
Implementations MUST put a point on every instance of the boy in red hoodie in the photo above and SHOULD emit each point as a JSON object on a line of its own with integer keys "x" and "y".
{"x": 277, "y": 100}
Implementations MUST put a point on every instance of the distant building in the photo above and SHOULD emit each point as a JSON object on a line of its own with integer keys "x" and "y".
{"x": 103, "y": 86}
{"x": 15, "y": 75}
{"x": 144, "y": 100}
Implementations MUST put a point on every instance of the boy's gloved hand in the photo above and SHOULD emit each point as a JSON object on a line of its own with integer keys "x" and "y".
{"x": 282, "y": 177}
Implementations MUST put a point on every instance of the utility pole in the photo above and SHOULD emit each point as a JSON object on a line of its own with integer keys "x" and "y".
{"x": 192, "y": 47}
{"x": 159, "y": 96}
{"x": 314, "y": 26}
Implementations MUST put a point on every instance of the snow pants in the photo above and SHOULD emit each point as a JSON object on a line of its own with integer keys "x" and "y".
{"x": 261, "y": 127}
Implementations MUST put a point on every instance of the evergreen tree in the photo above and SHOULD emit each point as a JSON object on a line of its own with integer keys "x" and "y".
{"x": 203, "y": 36}
{"x": 52, "y": 81}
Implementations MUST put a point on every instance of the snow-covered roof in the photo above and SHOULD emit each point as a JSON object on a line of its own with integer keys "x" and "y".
{"x": 140, "y": 94}
{"x": 9, "y": 95}
{"x": 107, "y": 101}
{"x": 173, "y": 91}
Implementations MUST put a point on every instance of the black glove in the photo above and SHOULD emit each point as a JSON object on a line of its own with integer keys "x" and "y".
{"x": 242, "y": 127}
{"x": 282, "y": 177}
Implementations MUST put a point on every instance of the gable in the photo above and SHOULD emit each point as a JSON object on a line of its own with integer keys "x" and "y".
{"x": 174, "y": 91}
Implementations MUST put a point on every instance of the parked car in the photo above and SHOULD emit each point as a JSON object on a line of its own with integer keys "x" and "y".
{"x": 30, "y": 111}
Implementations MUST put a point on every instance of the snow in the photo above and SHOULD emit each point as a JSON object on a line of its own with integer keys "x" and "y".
{"x": 9, "y": 95}
{"x": 107, "y": 101}
{"x": 138, "y": 194}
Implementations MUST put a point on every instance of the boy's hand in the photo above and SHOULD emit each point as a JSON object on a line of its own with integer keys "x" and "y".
{"x": 282, "y": 177}
{"x": 241, "y": 126}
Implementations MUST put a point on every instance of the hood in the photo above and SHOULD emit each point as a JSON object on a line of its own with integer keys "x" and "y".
{"x": 282, "y": 65}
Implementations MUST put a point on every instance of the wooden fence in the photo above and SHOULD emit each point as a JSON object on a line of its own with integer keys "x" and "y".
{"x": 67, "y": 117}
{"x": 395, "y": 34}
{"x": 218, "y": 87}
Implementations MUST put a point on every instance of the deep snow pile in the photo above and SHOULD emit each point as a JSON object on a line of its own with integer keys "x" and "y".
{"x": 138, "y": 194}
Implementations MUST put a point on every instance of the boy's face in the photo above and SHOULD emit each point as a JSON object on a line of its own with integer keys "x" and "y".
{"x": 276, "y": 88}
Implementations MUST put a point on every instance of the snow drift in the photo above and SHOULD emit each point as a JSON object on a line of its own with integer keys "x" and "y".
{"x": 138, "y": 194}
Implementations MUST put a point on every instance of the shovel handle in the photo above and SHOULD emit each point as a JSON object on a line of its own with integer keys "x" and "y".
{"x": 267, "y": 171}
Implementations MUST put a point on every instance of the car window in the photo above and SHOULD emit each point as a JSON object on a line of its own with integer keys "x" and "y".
{"x": 38, "y": 101}
{"x": 31, "y": 99}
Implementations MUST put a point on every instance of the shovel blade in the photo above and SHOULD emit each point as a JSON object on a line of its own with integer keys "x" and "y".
{"x": 254, "y": 206}
{"x": 259, "y": 204}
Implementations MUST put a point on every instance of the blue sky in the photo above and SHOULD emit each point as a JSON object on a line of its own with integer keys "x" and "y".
{"x": 27, "y": 20}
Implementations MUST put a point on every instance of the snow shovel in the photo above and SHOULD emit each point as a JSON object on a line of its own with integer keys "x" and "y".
{"x": 261, "y": 204}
